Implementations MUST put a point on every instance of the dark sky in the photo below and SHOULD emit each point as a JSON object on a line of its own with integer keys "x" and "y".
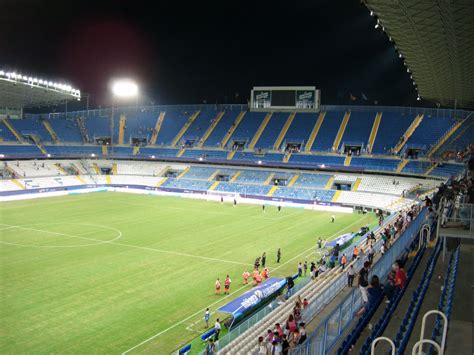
{"x": 188, "y": 52}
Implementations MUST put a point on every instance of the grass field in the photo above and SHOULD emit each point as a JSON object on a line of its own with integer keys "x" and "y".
{"x": 102, "y": 272}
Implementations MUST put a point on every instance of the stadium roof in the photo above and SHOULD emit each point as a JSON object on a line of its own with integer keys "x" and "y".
{"x": 18, "y": 91}
{"x": 436, "y": 41}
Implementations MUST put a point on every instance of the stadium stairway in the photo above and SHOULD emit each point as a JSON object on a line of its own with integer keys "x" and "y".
{"x": 430, "y": 301}
{"x": 50, "y": 130}
{"x": 213, "y": 176}
{"x": 210, "y": 129}
{"x": 214, "y": 185}
{"x": 18, "y": 183}
{"x": 347, "y": 161}
{"x": 355, "y": 187}
{"x": 180, "y": 153}
{"x": 373, "y": 132}
{"x": 269, "y": 179}
{"x": 236, "y": 175}
{"x": 401, "y": 165}
{"x": 459, "y": 139}
{"x": 122, "y": 124}
{"x": 114, "y": 169}
{"x": 336, "y": 196}
{"x": 136, "y": 150}
{"x": 293, "y": 180}
{"x": 96, "y": 168}
{"x": 105, "y": 150}
{"x": 286, "y": 157}
{"x": 410, "y": 130}
{"x": 183, "y": 173}
{"x": 283, "y": 131}
{"x": 161, "y": 182}
{"x": 81, "y": 179}
{"x": 39, "y": 143}
{"x": 352, "y": 340}
{"x": 314, "y": 132}
{"x": 329, "y": 183}
{"x": 461, "y": 325}
{"x": 108, "y": 179}
{"x": 396, "y": 318}
{"x": 272, "y": 191}
{"x": 185, "y": 127}
{"x": 260, "y": 130}
{"x": 232, "y": 129}
{"x": 156, "y": 130}
{"x": 428, "y": 172}
{"x": 12, "y": 129}
{"x": 445, "y": 137}
{"x": 340, "y": 132}
{"x": 231, "y": 154}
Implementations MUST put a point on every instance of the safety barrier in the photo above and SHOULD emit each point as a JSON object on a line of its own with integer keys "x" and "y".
{"x": 327, "y": 334}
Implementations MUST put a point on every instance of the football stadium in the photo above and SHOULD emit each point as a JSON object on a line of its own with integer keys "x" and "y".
{"x": 279, "y": 220}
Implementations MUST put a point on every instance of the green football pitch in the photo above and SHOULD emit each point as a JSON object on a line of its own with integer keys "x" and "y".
{"x": 104, "y": 272}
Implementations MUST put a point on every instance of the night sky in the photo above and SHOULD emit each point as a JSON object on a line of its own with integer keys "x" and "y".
{"x": 194, "y": 52}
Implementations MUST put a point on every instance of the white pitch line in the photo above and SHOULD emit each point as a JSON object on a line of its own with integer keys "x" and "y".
{"x": 128, "y": 245}
{"x": 212, "y": 304}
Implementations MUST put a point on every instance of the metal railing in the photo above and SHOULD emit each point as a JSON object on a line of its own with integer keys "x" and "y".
{"x": 235, "y": 332}
{"x": 326, "y": 335}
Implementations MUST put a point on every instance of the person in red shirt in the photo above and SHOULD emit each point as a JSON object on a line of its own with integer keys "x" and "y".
{"x": 255, "y": 274}
{"x": 227, "y": 282}
{"x": 218, "y": 286}
{"x": 245, "y": 276}
{"x": 400, "y": 275}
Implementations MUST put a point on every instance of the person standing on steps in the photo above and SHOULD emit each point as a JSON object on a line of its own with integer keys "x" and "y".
{"x": 264, "y": 259}
{"x": 278, "y": 255}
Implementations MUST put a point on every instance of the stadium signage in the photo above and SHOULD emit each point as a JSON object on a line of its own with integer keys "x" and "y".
{"x": 305, "y": 95}
{"x": 341, "y": 240}
{"x": 253, "y": 297}
{"x": 262, "y": 95}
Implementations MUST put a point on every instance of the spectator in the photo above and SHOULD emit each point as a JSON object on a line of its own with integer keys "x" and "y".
{"x": 374, "y": 292}
{"x": 211, "y": 348}
{"x": 302, "y": 331}
{"x": 262, "y": 349}
{"x": 217, "y": 329}
{"x": 285, "y": 345}
{"x": 363, "y": 281}
{"x": 350, "y": 276}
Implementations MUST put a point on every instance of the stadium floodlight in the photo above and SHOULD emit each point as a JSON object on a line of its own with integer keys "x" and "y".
{"x": 376, "y": 25}
{"x": 125, "y": 88}
{"x": 418, "y": 98}
{"x": 371, "y": 13}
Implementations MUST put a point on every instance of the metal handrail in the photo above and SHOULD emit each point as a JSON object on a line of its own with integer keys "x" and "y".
{"x": 388, "y": 340}
{"x": 423, "y": 327}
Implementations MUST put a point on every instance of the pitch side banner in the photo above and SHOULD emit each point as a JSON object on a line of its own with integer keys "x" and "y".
{"x": 341, "y": 240}
{"x": 253, "y": 297}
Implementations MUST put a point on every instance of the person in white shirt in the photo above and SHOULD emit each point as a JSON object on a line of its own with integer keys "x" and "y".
{"x": 217, "y": 329}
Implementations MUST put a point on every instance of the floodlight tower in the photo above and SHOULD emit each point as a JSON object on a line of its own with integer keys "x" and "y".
{"x": 121, "y": 89}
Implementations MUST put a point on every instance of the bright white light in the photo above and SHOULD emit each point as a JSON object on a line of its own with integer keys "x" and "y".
{"x": 259, "y": 162}
{"x": 400, "y": 55}
{"x": 377, "y": 25}
{"x": 124, "y": 88}
{"x": 371, "y": 13}
{"x": 418, "y": 98}
{"x": 2, "y": 72}
{"x": 152, "y": 157}
{"x": 2, "y": 155}
{"x": 200, "y": 159}
{"x": 92, "y": 155}
{"x": 48, "y": 155}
